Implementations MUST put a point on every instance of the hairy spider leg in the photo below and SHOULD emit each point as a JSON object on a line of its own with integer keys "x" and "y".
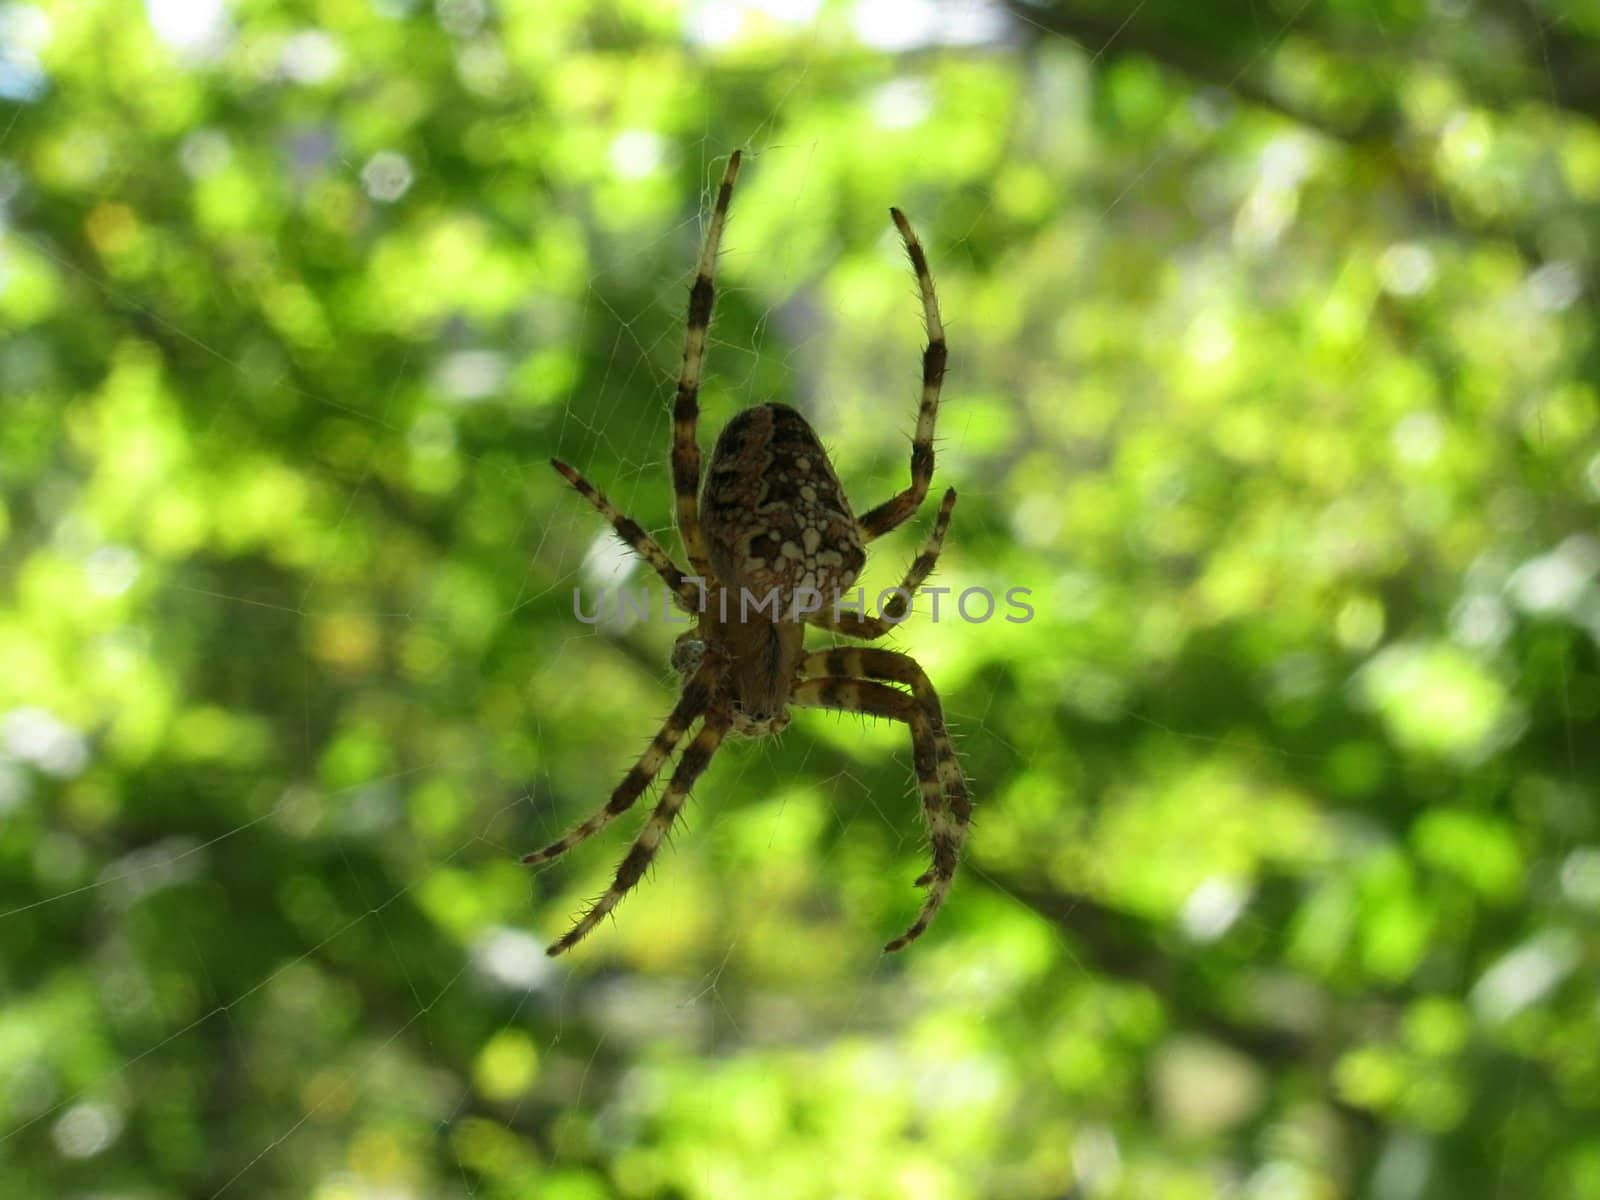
{"x": 946, "y": 808}
{"x": 691, "y": 704}
{"x": 633, "y": 866}
{"x": 859, "y": 625}
{"x": 894, "y": 511}
{"x": 633, "y": 533}
{"x": 686, "y": 405}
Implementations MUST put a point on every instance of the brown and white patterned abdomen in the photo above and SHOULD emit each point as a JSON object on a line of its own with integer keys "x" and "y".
{"x": 772, "y": 510}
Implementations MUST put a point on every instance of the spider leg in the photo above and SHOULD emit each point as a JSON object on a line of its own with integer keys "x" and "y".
{"x": 858, "y": 625}
{"x": 686, "y": 406}
{"x": 691, "y": 703}
{"x": 633, "y": 533}
{"x": 946, "y": 807}
{"x": 894, "y": 511}
{"x": 633, "y": 866}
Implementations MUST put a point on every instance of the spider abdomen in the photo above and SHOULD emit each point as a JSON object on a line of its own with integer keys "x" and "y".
{"x": 773, "y": 513}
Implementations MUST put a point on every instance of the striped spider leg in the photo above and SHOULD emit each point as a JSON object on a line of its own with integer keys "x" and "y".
{"x": 894, "y": 512}
{"x": 859, "y": 625}
{"x": 634, "y": 864}
{"x": 631, "y": 532}
{"x": 703, "y": 681}
{"x": 692, "y": 704}
{"x": 838, "y": 679}
{"x": 686, "y": 404}
{"x": 699, "y": 692}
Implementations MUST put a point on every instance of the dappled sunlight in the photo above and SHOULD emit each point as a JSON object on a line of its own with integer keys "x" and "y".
{"x": 1270, "y": 393}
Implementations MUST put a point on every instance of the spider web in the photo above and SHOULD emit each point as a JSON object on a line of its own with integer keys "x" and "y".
{"x": 511, "y": 959}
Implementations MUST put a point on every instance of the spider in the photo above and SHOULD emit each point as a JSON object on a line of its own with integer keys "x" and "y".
{"x": 773, "y": 517}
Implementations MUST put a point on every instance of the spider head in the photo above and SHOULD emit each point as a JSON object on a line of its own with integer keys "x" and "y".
{"x": 753, "y": 723}
{"x": 762, "y": 658}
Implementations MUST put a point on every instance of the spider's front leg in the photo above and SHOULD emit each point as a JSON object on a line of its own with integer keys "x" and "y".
{"x": 692, "y": 702}
{"x": 632, "y": 868}
{"x": 834, "y": 681}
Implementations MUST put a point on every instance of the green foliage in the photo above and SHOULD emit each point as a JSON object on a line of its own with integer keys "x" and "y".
{"x": 1273, "y": 370}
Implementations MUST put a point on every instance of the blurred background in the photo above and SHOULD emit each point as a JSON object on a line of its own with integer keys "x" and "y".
{"x": 1272, "y": 331}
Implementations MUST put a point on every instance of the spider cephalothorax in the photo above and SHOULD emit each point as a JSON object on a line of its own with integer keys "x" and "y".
{"x": 772, "y": 542}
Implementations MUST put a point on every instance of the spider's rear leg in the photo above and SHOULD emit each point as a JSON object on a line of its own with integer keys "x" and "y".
{"x": 859, "y": 625}
{"x": 945, "y": 805}
{"x": 896, "y": 510}
{"x": 631, "y": 532}
{"x": 686, "y": 404}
